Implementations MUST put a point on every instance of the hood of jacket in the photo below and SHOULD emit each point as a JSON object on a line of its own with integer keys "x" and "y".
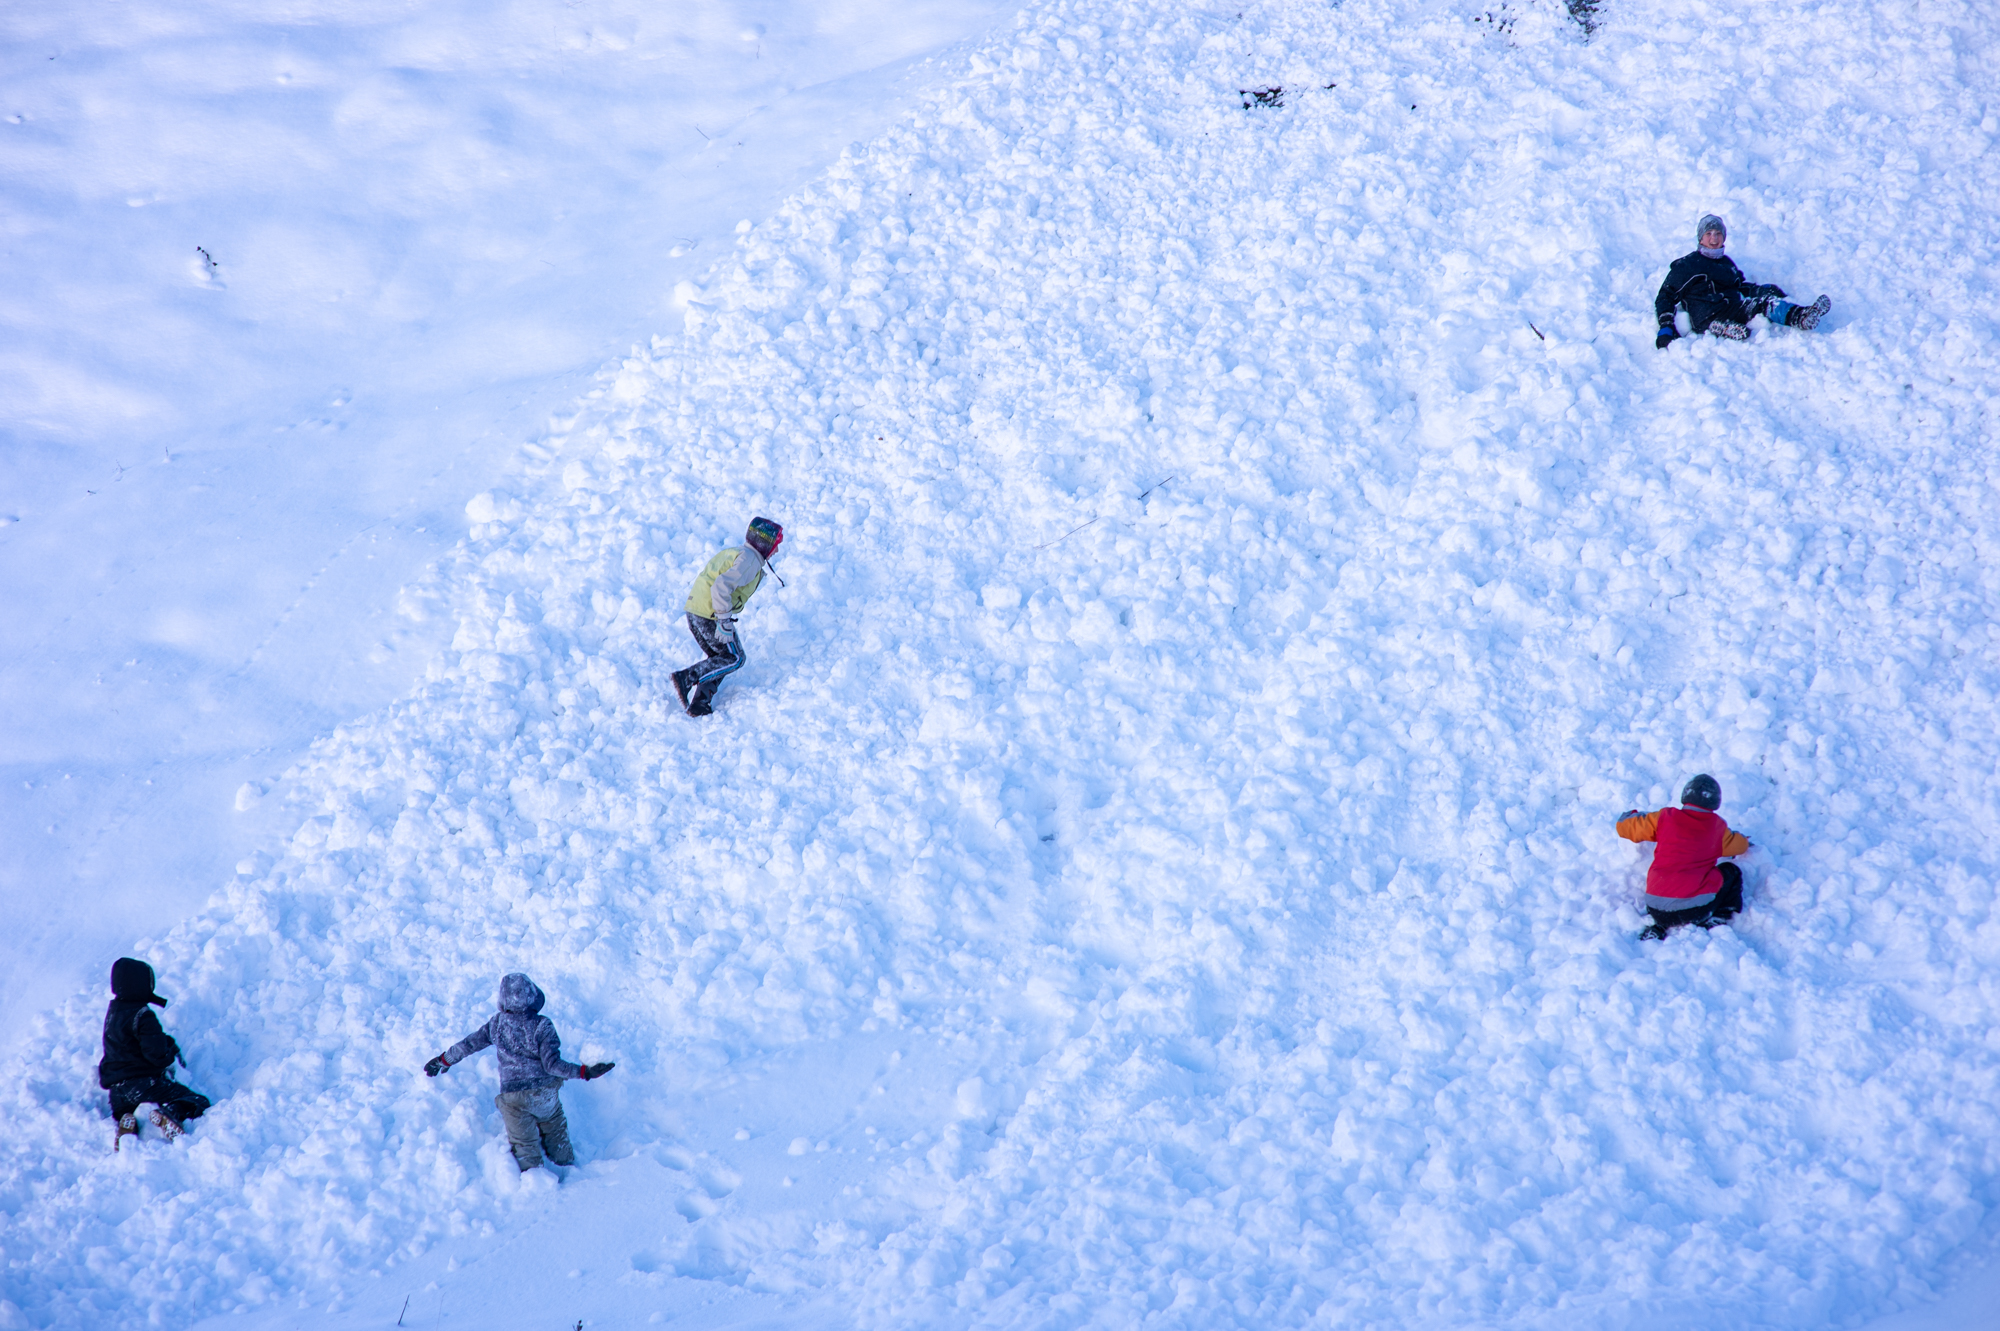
{"x": 132, "y": 980}
{"x": 520, "y": 994}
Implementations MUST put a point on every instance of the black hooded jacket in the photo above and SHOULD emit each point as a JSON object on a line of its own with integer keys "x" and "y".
{"x": 1710, "y": 289}
{"x": 134, "y": 1044}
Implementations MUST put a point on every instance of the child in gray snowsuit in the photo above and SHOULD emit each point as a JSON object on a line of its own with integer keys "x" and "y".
{"x": 532, "y": 1071}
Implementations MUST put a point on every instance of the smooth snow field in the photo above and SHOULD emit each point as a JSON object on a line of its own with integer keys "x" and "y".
{"x": 1157, "y": 867}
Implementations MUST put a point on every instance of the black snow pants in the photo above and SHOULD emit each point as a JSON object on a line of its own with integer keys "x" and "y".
{"x": 1728, "y": 900}
{"x": 722, "y": 657}
{"x": 176, "y": 1101}
{"x": 1724, "y": 307}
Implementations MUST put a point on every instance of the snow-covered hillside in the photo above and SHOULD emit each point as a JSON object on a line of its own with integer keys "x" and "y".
{"x": 288, "y": 282}
{"x": 1157, "y": 867}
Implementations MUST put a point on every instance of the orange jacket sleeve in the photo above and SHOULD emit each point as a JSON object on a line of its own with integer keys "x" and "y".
{"x": 1734, "y": 844}
{"x": 1645, "y": 826}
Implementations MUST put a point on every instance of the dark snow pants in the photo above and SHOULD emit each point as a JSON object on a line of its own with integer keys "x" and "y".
{"x": 535, "y": 1125}
{"x": 1727, "y": 307}
{"x": 723, "y": 657}
{"x": 176, "y": 1101}
{"x": 1728, "y": 900}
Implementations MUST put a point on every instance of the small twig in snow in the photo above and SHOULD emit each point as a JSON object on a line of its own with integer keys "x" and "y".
{"x": 1154, "y": 486}
{"x": 1065, "y": 536}
{"x": 1536, "y": 331}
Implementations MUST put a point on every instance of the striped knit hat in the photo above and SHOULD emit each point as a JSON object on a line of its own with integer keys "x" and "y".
{"x": 764, "y": 536}
{"x": 1709, "y": 222}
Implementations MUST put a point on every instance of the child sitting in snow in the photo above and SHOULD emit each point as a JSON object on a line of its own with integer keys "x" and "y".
{"x": 138, "y": 1054}
{"x": 1718, "y": 298}
{"x": 1685, "y": 885}
{"x": 532, "y": 1071}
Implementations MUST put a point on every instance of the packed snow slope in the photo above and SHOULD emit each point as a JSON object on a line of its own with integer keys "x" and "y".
{"x": 1157, "y": 868}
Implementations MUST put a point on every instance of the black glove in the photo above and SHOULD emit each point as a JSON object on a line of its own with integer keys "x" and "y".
{"x": 435, "y": 1066}
{"x": 1772, "y": 289}
{"x": 1666, "y": 335}
{"x": 592, "y": 1071}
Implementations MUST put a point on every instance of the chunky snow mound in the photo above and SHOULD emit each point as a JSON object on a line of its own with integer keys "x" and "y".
{"x": 1157, "y": 867}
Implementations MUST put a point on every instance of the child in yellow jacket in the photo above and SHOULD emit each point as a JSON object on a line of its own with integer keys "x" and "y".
{"x": 721, "y": 590}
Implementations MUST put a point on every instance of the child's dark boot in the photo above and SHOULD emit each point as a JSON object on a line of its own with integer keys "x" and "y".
{"x": 1805, "y": 317}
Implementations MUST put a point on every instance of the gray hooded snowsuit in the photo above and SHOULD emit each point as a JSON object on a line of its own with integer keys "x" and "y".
{"x": 532, "y": 1071}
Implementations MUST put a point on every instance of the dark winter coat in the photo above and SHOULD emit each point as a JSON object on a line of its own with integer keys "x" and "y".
{"x": 529, "y": 1049}
{"x": 134, "y": 1043}
{"x": 1708, "y": 289}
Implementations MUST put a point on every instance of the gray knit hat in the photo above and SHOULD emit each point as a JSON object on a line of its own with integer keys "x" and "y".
{"x": 1710, "y": 222}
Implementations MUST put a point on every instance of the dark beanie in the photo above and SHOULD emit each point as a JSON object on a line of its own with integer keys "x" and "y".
{"x": 132, "y": 980}
{"x": 1703, "y": 792}
{"x": 1709, "y": 222}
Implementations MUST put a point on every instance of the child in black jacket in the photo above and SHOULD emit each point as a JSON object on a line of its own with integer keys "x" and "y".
{"x": 138, "y": 1054}
{"x": 1718, "y": 298}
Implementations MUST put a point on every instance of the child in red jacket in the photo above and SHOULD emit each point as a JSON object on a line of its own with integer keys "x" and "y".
{"x": 1685, "y": 885}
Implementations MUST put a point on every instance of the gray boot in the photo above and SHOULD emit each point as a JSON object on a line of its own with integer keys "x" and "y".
{"x": 1805, "y": 317}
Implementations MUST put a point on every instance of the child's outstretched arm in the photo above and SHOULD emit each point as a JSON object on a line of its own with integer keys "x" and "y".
{"x": 548, "y": 1046}
{"x": 548, "y": 1052}
{"x": 1636, "y": 826}
{"x": 461, "y": 1051}
{"x": 1734, "y": 844}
